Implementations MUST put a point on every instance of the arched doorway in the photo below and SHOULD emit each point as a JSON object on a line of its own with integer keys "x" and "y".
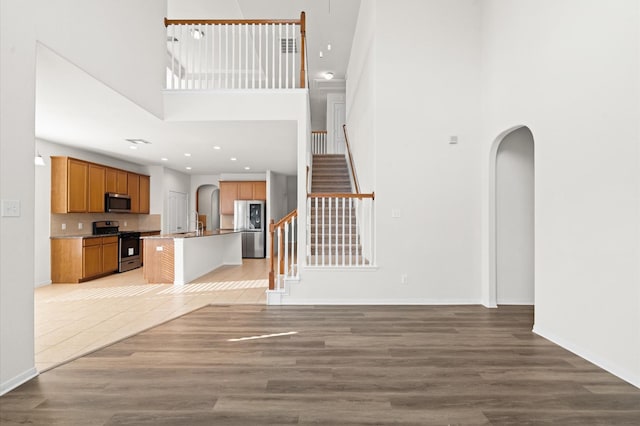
{"x": 513, "y": 218}
{"x": 208, "y": 204}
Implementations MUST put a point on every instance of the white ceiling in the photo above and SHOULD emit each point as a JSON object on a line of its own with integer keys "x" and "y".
{"x": 73, "y": 108}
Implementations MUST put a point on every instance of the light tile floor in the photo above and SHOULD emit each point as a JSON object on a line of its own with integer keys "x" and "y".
{"x": 74, "y": 319}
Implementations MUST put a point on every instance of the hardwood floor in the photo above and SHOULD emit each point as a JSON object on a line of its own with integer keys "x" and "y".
{"x": 345, "y": 365}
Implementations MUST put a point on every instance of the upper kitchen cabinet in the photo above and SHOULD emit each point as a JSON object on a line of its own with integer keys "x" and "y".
{"x": 240, "y": 190}
{"x": 133, "y": 185}
{"x": 69, "y": 185}
{"x": 145, "y": 194}
{"x": 96, "y": 188}
{"x": 260, "y": 190}
{"x": 116, "y": 181}
{"x": 245, "y": 191}
{"x": 228, "y": 194}
{"x": 79, "y": 186}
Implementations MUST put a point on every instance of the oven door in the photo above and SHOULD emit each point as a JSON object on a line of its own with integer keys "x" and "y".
{"x": 129, "y": 252}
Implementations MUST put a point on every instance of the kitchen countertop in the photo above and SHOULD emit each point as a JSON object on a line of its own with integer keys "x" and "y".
{"x": 192, "y": 234}
{"x": 99, "y": 236}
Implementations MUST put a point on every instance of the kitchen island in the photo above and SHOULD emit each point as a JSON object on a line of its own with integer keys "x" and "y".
{"x": 181, "y": 258}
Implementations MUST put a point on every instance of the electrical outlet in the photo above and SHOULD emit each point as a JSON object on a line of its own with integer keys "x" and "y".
{"x": 395, "y": 213}
{"x": 64, "y": 226}
{"x": 404, "y": 279}
{"x": 125, "y": 223}
{"x": 159, "y": 248}
{"x": 79, "y": 225}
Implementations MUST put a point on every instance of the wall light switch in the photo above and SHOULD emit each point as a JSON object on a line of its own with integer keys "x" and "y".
{"x": 10, "y": 208}
{"x": 453, "y": 140}
{"x": 79, "y": 225}
{"x": 404, "y": 279}
{"x": 125, "y": 223}
{"x": 395, "y": 213}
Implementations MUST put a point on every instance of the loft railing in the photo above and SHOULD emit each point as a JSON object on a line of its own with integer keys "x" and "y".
{"x": 236, "y": 54}
{"x": 340, "y": 230}
{"x": 286, "y": 258}
{"x": 319, "y": 142}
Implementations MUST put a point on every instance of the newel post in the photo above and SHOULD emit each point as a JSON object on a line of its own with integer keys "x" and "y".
{"x": 303, "y": 36}
{"x": 272, "y": 282}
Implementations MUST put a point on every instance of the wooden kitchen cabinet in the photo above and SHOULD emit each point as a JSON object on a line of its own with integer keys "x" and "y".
{"x": 116, "y": 181}
{"x": 260, "y": 190}
{"x": 245, "y": 191}
{"x": 240, "y": 190}
{"x": 69, "y": 185}
{"x": 91, "y": 257}
{"x": 97, "y": 176}
{"x": 109, "y": 254}
{"x": 228, "y": 194}
{"x": 79, "y": 186}
{"x": 133, "y": 190}
{"x": 145, "y": 194}
{"x": 78, "y": 259}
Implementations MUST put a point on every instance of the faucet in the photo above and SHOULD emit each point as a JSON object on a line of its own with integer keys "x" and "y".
{"x": 199, "y": 225}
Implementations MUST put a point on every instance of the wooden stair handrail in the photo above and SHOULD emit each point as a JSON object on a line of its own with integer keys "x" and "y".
{"x": 272, "y": 232}
{"x": 303, "y": 32}
{"x": 168, "y": 22}
{"x": 353, "y": 169}
{"x": 340, "y": 195}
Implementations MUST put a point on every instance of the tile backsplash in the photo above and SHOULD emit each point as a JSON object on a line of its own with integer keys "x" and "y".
{"x": 127, "y": 222}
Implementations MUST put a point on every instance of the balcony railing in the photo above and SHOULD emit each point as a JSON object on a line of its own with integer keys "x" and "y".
{"x": 236, "y": 54}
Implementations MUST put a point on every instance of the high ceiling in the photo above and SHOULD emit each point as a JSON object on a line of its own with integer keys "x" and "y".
{"x": 73, "y": 108}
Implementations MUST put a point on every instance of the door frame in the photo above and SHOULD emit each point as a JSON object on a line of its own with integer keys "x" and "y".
{"x": 493, "y": 219}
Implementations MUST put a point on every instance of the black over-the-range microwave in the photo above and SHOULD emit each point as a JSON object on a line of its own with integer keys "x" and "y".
{"x": 117, "y": 203}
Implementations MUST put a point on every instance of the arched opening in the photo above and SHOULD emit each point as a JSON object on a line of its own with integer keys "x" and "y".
{"x": 208, "y": 205}
{"x": 512, "y": 218}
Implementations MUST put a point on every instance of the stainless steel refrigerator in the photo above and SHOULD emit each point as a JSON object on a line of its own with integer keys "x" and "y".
{"x": 248, "y": 217}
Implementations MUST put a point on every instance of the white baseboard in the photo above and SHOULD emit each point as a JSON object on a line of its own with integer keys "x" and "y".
{"x": 607, "y": 365}
{"x": 294, "y": 301}
{"x": 43, "y": 283}
{"x": 18, "y": 380}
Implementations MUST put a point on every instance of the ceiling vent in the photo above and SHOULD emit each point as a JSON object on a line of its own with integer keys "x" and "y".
{"x": 138, "y": 141}
{"x": 288, "y": 45}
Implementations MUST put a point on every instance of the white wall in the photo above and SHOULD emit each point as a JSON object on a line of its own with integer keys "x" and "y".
{"x": 42, "y": 202}
{"x": 110, "y": 41}
{"x": 576, "y": 86}
{"x": 361, "y": 97}
{"x": 515, "y": 218}
{"x": 17, "y": 133}
{"x": 414, "y": 99}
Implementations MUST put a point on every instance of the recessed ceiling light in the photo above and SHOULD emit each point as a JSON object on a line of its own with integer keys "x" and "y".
{"x": 328, "y": 75}
{"x": 164, "y": 159}
{"x": 247, "y": 168}
{"x": 216, "y": 147}
{"x": 186, "y": 154}
{"x": 133, "y": 147}
{"x": 188, "y": 168}
{"x": 234, "y": 159}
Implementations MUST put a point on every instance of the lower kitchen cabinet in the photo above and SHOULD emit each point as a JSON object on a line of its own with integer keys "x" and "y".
{"x": 78, "y": 259}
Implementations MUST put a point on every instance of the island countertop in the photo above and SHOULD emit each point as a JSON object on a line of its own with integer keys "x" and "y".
{"x": 191, "y": 234}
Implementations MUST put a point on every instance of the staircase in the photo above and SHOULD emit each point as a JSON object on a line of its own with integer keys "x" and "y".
{"x": 330, "y": 174}
{"x": 334, "y": 238}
